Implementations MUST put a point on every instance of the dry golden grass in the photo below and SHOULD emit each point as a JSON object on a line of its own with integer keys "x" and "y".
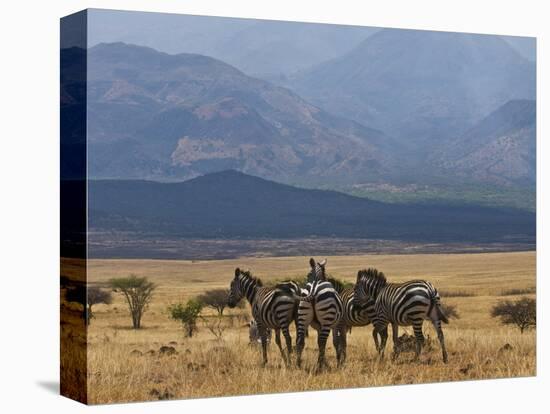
{"x": 205, "y": 367}
{"x": 73, "y": 335}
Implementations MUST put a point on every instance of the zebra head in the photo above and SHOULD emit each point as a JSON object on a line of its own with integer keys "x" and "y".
{"x": 317, "y": 270}
{"x": 368, "y": 285}
{"x": 235, "y": 290}
{"x": 242, "y": 285}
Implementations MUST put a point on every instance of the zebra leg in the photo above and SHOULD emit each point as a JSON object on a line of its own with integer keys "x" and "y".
{"x": 299, "y": 348}
{"x": 300, "y": 342}
{"x": 395, "y": 337}
{"x": 279, "y": 344}
{"x": 375, "y": 336}
{"x": 322, "y": 337}
{"x": 288, "y": 340}
{"x": 263, "y": 335}
{"x": 441, "y": 337}
{"x": 343, "y": 346}
{"x": 383, "y": 331}
{"x": 417, "y": 327}
{"x": 305, "y": 317}
{"x": 337, "y": 342}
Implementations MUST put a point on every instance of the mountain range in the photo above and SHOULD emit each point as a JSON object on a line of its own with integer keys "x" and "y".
{"x": 423, "y": 88}
{"x": 231, "y": 204}
{"x": 170, "y": 117}
{"x": 400, "y": 107}
{"x": 261, "y": 48}
{"x": 501, "y": 148}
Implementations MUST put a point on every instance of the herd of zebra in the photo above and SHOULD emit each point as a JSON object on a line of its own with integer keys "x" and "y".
{"x": 327, "y": 306}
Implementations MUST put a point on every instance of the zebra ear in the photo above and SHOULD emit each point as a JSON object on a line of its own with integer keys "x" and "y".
{"x": 323, "y": 263}
{"x": 237, "y": 272}
{"x": 312, "y": 263}
{"x": 358, "y": 276}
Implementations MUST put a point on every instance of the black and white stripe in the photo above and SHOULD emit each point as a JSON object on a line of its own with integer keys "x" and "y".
{"x": 322, "y": 309}
{"x": 272, "y": 308}
{"x": 401, "y": 304}
{"x": 355, "y": 315}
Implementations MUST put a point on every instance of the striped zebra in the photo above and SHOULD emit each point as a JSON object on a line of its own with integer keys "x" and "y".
{"x": 401, "y": 304}
{"x": 272, "y": 308}
{"x": 322, "y": 309}
{"x": 254, "y": 335}
{"x": 355, "y": 314}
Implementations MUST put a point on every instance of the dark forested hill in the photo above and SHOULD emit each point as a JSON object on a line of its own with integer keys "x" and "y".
{"x": 230, "y": 204}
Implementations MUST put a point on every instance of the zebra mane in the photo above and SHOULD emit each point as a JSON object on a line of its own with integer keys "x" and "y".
{"x": 248, "y": 275}
{"x": 371, "y": 274}
{"x": 336, "y": 284}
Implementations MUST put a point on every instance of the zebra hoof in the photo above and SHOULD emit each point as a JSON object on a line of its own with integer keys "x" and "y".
{"x": 322, "y": 366}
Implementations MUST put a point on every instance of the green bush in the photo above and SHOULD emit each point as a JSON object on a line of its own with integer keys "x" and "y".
{"x": 186, "y": 314}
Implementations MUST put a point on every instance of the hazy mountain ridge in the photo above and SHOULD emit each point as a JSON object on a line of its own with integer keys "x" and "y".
{"x": 278, "y": 48}
{"x": 420, "y": 87}
{"x": 261, "y": 48}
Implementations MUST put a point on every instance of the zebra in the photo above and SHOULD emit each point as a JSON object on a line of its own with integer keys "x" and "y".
{"x": 322, "y": 309}
{"x": 401, "y": 304}
{"x": 272, "y": 308}
{"x": 254, "y": 335}
{"x": 355, "y": 314}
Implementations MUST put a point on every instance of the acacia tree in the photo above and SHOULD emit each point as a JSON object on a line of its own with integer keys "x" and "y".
{"x": 88, "y": 297}
{"x": 138, "y": 292}
{"x": 522, "y": 313}
{"x": 186, "y": 314}
{"x": 215, "y": 299}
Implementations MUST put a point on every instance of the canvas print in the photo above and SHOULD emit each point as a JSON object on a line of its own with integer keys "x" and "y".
{"x": 253, "y": 206}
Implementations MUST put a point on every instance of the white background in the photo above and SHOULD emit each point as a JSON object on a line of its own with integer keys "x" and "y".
{"x": 29, "y": 192}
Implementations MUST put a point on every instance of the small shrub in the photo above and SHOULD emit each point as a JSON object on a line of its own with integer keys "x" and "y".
{"x": 216, "y": 325}
{"x": 186, "y": 314}
{"x": 88, "y": 297}
{"x": 522, "y": 313}
{"x": 215, "y": 299}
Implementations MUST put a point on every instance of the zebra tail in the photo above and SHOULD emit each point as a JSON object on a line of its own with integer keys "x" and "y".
{"x": 307, "y": 298}
{"x": 436, "y": 304}
{"x": 440, "y": 314}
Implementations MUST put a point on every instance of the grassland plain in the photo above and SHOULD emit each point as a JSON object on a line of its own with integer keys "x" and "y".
{"x": 126, "y": 365}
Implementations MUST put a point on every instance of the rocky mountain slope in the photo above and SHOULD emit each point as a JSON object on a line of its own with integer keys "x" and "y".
{"x": 171, "y": 117}
{"x": 501, "y": 148}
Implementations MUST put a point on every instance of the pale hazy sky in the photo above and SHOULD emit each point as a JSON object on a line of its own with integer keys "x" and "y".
{"x": 175, "y": 33}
